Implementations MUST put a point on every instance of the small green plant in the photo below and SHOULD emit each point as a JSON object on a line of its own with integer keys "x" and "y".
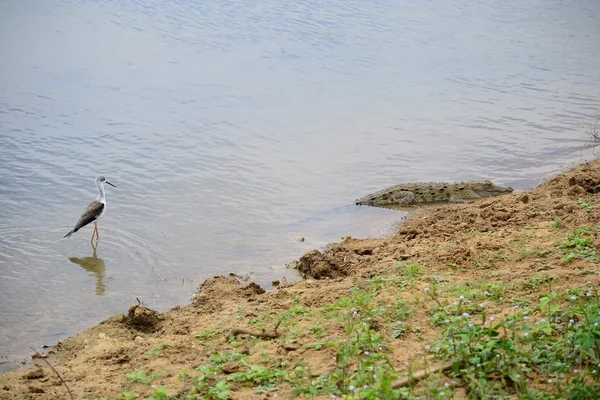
{"x": 555, "y": 225}
{"x": 206, "y": 335}
{"x": 318, "y": 331}
{"x": 586, "y": 205}
{"x": 383, "y": 281}
{"x": 481, "y": 290}
{"x": 410, "y": 270}
{"x": 439, "y": 279}
{"x": 220, "y": 391}
{"x": 298, "y": 310}
{"x": 399, "y": 329}
{"x": 262, "y": 379}
{"x": 129, "y": 395}
{"x": 579, "y": 245}
{"x": 160, "y": 393}
{"x": 221, "y": 358}
{"x": 156, "y": 351}
{"x": 153, "y": 353}
{"x": 141, "y": 377}
{"x": 501, "y": 357}
{"x": 402, "y": 311}
{"x": 537, "y": 280}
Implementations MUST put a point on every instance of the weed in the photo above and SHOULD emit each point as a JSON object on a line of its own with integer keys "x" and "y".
{"x": 129, "y": 395}
{"x": 220, "y": 391}
{"x": 438, "y": 279}
{"x": 537, "y": 280}
{"x": 402, "y": 311}
{"x": 500, "y": 357}
{"x": 410, "y": 270}
{"x": 555, "y": 225}
{"x": 481, "y": 290}
{"x": 324, "y": 345}
{"x": 579, "y": 245}
{"x": 586, "y": 205}
{"x": 382, "y": 281}
{"x": 298, "y": 310}
{"x": 156, "y": 351}
{"x": 206, "y": 335}
{"x": 399, "y": 329}
{"x": 317, "y": 331}
{"x": 239, "y": 313}
{"x": 262, "y": 379}
{"x": 160, "y": 393}
{"x": 222, "y": 358}
{"x": 141, "y": 377}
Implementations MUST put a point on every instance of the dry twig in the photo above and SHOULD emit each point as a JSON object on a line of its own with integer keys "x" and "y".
{"x": 265, "y": 335}
{"x": 595, "y": 135}
{"x": 423, "y": 374}
{"x": 56, "y": 372}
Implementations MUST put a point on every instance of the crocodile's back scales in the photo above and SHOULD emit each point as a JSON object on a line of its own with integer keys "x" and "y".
{"x": 432, "y": 192}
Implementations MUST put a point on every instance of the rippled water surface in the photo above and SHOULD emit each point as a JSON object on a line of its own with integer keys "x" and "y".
{"x": 233, "y": 128}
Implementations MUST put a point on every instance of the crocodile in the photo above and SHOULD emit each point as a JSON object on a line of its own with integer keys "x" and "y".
{"x": 406, "y": 194}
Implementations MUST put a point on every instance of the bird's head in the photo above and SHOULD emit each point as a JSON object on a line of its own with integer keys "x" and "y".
{"x": 102, "y": 179}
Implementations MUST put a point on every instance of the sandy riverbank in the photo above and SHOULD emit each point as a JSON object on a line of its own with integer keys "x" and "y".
{"x": 369, "y": 312}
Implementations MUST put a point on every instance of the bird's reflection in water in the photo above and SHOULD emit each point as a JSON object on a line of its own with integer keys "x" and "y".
{"x": 94, "y": 265}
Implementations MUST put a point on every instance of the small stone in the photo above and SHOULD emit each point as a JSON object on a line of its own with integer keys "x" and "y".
{"x": 230, "y": 367}
{"x": 138, "y": 339}
{"x": 35, "y": 374}
{"x": 524, "y": 198}
{"x": 576, "y": 190}
{"x": 301, "y": 239}
{"x": 291, "y": 346}
{"x": 275, "y": 282}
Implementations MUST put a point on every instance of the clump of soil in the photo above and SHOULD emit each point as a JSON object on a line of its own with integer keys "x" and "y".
{"x": 507, "y": 240}
{"x": 141, "y": 318}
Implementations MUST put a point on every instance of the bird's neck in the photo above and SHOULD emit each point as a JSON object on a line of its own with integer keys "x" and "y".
{"x": 101, "y": 196}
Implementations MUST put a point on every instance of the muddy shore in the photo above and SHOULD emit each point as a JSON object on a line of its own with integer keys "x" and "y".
{"x": 298, "y": 341}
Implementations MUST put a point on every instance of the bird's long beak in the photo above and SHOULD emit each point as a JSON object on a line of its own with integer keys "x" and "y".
{"x": 110, "y": 184}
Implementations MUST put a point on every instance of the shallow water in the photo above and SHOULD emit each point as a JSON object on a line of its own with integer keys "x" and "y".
{"x": 231, "y": 130}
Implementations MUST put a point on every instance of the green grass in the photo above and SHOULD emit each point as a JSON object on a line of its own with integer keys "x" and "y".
{"x": 580, "y": 245}
{"x": 409, "y": 270}
{"x": 503, "y": 357}
{"x": 141, "y": 376}
{"x": 504, "y": 340}
{"x": 586, "y": 205}
{"x": 207, "y": 335}
{"x": 555, "y": 225}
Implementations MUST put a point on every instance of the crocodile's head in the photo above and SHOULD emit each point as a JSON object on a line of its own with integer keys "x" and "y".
{"x": 487, "y": 188}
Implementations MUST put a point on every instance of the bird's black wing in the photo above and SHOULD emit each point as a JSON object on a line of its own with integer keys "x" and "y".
{"x": 91, "y": 213}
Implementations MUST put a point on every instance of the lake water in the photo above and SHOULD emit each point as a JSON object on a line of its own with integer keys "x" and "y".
{"x": 231, "y": 129}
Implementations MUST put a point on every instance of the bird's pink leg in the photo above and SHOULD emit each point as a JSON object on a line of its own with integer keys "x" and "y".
{"x": 97, "y": 233}
{"x": 94, "y": 232}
